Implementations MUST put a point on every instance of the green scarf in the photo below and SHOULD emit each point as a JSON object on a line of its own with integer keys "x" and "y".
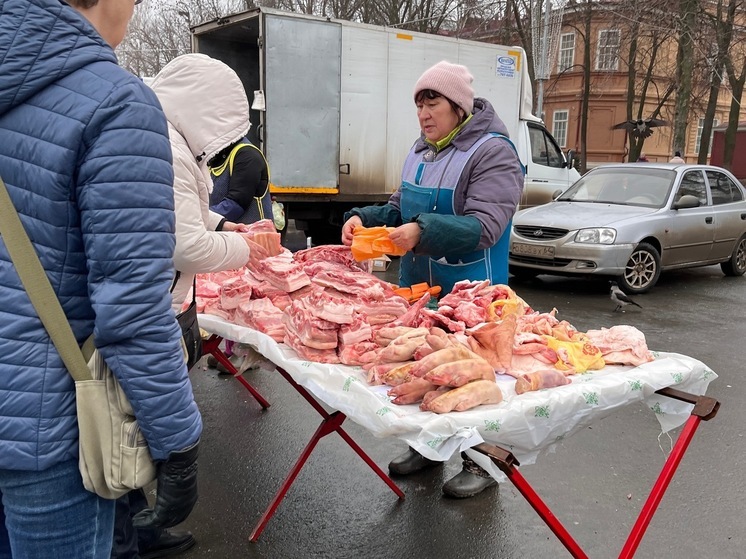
{"x": 441, "y": 144}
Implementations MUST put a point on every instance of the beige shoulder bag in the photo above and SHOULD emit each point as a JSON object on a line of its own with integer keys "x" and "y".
{"x": 114, "y": 456}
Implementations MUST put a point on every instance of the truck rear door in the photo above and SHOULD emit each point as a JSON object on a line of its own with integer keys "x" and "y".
{"x": 302, "y": 96}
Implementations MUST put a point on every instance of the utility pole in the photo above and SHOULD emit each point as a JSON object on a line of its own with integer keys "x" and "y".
{"x": 542, "y": 72}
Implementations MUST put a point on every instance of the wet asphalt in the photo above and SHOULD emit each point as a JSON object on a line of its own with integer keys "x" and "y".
{"x": 595, "y": 483}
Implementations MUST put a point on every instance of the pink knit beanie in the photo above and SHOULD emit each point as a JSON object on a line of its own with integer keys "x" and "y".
{"x": 450, "y": 80}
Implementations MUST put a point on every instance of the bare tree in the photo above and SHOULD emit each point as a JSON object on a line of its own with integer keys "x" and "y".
{"x": 687, "y": 16}
{"x": 734, "y": 62}
{"x": 647, "y": 79}
{"x": 159, "y": 32}
{"x": 721, "y": 22}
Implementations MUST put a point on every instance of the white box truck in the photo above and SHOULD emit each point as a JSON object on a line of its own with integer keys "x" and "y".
{"x": 337, "y": 117}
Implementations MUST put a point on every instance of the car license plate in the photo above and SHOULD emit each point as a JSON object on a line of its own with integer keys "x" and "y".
{"x": 532, "y": 250}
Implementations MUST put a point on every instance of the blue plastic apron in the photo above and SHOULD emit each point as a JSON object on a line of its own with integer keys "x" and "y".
{"x": 260, "y": 208}
{"x": 428, "y": 187}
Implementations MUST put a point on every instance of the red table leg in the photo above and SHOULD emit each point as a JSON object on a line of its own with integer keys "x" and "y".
{"x": 705, "y": 409}
{"x": 212, "y": 346}
{"x": 331, "y": 423}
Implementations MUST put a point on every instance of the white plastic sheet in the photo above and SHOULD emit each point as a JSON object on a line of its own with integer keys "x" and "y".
{"x": 526, "y": 425}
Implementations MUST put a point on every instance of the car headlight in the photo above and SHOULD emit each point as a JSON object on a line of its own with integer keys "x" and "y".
{"x": 596, "y": 235}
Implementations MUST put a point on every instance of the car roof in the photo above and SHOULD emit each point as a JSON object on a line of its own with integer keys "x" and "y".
{"x": 662, "y": 165}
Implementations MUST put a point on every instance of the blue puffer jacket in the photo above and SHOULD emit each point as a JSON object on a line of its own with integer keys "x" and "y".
{"x": 85, "y": 155}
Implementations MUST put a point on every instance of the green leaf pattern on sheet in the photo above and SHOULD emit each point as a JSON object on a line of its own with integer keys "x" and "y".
{"x": 541, "y": 411}
{"x": 492, "y": 425}
{"x": 678, "y": 378}
{"x": 591, "y": 398}
{"x": 383, "y": 411}
{"x": 657, "y": 409}
{"x": 635, "y": 385}
{"x": 348, "y": 383}
{"x": 436, "y": 442}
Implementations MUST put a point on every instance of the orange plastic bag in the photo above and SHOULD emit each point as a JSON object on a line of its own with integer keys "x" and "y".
{"x": 372, "y": 242}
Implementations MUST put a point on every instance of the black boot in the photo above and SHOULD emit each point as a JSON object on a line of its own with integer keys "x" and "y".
{"x": 410, "y": 462}
{"x": 471, "y": 480}
{"x": 168, "y": 544}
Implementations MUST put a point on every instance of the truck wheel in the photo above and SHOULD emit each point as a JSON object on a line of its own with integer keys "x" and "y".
{"x": 642, "y": 271}
{"x": 736, "y": 266}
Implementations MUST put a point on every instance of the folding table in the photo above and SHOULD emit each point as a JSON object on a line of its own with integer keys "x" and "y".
{"x": 331, "y": 423}
{"x": 498, "y": 437}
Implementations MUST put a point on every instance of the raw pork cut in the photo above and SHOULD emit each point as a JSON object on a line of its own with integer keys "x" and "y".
{"x": 466, "y": 397}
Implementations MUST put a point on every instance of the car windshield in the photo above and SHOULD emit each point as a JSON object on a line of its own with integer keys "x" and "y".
{"x": 635, "y": 185}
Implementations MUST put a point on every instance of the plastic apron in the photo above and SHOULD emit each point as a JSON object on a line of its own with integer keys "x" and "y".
{"x": 428, "y": 187}
{"x": 260, "y": 208}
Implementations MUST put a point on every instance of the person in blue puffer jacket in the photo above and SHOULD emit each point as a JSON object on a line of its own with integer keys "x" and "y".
{"x": 461, "y": 184}
{"x": 85, "y": 155}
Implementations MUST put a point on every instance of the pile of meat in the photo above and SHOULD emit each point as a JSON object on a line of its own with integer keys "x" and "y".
{"x": 331, "y": 309}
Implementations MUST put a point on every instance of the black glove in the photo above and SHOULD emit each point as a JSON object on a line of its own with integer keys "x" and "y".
{"x": 176, "y": 492}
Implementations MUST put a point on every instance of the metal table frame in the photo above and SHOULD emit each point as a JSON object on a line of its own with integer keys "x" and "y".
{"x": 705, "y": 409}
{"x": 331, "y": 423}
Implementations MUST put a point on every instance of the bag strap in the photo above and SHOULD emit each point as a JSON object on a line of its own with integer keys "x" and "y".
{"x": 35, "y": 281}
{"x": 194, "y": 285}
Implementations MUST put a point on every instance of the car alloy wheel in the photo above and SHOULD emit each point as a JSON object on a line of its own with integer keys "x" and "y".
{"x": 642, "y": 271}
{"x": 736, "y": 266}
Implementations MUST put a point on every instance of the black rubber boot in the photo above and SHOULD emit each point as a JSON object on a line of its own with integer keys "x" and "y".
{"x": 410, "y": 462}
{"x": 470, "y": 481}
{"x": 170, "y": 543}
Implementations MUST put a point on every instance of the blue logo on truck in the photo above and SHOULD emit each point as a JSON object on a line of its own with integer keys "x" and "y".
{"x": 505, "y": 66}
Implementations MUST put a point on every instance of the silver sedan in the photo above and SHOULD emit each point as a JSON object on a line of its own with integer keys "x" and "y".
{"x": 630, "y": 221}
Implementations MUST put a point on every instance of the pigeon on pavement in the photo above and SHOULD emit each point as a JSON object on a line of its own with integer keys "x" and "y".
{"x": 620, "y": 297}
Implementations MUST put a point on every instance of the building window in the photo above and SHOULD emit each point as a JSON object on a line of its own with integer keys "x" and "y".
{"x": 608, "y": 50}
{"x": 566, "y": 52}
{"x": 559, "y": 127}
{"x": 700, "y": 128}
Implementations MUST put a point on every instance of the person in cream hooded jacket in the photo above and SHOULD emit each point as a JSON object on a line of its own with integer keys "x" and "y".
{"x": 201, "y": 123}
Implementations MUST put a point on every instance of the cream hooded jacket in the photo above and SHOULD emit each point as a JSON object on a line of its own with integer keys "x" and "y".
{"x": 207, "y": 110}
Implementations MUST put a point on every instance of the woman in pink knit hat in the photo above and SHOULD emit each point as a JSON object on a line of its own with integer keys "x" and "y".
{"x": 461, "y": 185}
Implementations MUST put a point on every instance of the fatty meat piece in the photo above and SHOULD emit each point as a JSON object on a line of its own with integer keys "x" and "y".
{"x": 468, "y": 396}
{"x": 411, "y": 392}
{"x": 440, "y": 357}
{"x": 401, "y": 349}
{"x": 399, "y": 375}
{"x": 430, "y": 396}
{"x": 494, "y": 342}
{"x": 459, "y": 373}
{"x": 386, "y": 335}
{"x": 545, "y": 378}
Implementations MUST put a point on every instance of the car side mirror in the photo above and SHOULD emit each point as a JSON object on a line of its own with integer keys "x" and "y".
{"x": 569, "y": 159}
{"x": 556, "y": 193}
{"x": 686, "y": 201}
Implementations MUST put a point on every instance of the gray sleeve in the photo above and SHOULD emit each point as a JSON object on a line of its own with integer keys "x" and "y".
{"x": 490, "y": 189}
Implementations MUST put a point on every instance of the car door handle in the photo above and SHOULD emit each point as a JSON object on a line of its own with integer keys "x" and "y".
{"x": 708, "y": 220}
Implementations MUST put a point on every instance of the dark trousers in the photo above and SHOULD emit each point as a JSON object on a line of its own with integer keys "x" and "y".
{"x": 128, "y": 540}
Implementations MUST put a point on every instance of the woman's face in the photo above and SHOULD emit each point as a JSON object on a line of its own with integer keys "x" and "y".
{"x": 437, "y": 118}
